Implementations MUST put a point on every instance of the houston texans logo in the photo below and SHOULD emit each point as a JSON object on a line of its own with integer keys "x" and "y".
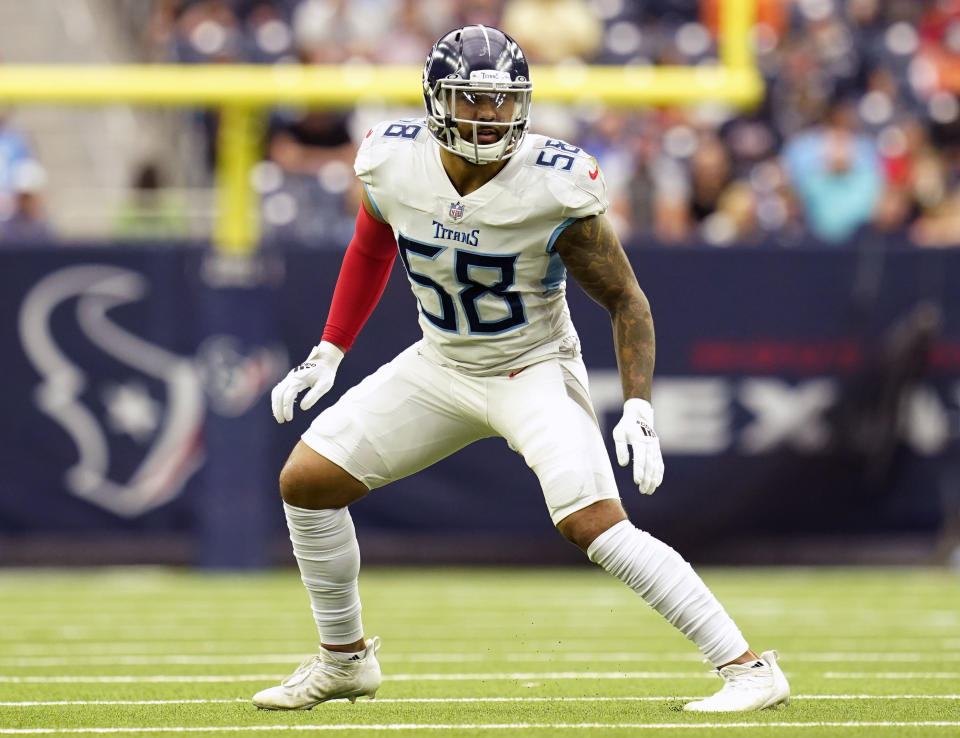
{"x": 233, "y": 379}
{"x": 172, "y": 428}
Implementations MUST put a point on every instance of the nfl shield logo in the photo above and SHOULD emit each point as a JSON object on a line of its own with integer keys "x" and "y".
{"x": 456, "y": 210}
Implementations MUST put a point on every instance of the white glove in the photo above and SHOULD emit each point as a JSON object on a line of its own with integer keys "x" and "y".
{"x": 636, "y": 429}
{"x": 316, "y": 373}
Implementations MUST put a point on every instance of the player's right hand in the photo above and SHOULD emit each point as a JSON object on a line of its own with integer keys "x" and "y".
{"x": 316, "y": 374}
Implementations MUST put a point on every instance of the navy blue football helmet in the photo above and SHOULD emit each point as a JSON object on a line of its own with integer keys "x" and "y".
{"x": 477, "y": 65}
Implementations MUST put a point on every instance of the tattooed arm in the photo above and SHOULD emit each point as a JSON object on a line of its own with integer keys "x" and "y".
{"x": 592, "y": 253}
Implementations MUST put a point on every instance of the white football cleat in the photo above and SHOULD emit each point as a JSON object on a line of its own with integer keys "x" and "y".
{"x": 324, "y": 677}
{"x": 755, "y": 686}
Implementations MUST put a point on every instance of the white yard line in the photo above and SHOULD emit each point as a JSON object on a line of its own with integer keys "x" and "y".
{"x": 443, "y": 700}
{"x": 89, "y": 703}
{"x": 145, "y": 648}
{"x": 524, "y": 676}
{"x": 477, "y": 726}
{"x": 231, "y": 647}
{"x": 452, "y": 658}
{"x": 138, "y": 660}
{"x": 452, "y": 677}
{"x": 201, "y": 628}
{"x": 892, "y": 675}
{"x": 198, "y": 610}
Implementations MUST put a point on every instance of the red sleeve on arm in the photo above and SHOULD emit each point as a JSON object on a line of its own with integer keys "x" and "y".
{"x": 363, "y": 277}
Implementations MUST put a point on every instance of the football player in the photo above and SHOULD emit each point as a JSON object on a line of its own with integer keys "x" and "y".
{"x": 488, "y": 219}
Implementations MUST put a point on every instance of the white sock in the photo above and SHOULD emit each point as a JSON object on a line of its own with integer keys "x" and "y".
{"x": 325, "y": 545}
{"x": 347, "y": 656}
{"x": 671, "y": 587}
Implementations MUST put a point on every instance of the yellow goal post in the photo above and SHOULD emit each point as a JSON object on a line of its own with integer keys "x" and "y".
{"x": 242, "y": 92}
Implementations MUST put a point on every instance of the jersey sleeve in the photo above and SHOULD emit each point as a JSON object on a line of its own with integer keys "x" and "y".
{"x": 587, "y": 194}
{"x": 572, "y": 177}
{"x": 384, "y": 158}
{"x": 371, "y": 154}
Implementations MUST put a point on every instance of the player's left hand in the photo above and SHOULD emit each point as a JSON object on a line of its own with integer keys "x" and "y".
{"x": 316, "y": 374}
{"x": 636, "y": 429}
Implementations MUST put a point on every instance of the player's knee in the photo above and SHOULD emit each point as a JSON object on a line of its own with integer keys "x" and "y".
{"x": 582, "y": 527}
{"x": 578, "y": 535}
{"x": 571, "y": 533}
{"x": 310, "y": 481}
{"x": 296, "y": 487}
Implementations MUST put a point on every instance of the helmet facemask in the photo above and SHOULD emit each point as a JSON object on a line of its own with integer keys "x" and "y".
{"x": 451, "y": 102}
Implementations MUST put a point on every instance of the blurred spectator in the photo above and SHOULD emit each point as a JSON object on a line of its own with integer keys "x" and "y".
{"x": 936, "y": 187}
{"x": 799, "y": 89}
{"x": 305, "y": 141}
{"x": 771, "y": 16}
{"x": 733, "y": 222}
{"x": 888, "y": 225}
{"x": 482, "y": 12}
{"x": 610, "y": 140}
{"x": 153, "y": 210}
{"x": 158, "y": 29}
{"x": 26, "y": 223}
{"x": 693, "y": 180}
{"x": 409, "y": 36}
{"x": 670, "y": 141}
{"x": 939, "y": 226}
{"x": 939, "y": 31}
{"x": 14, "y": 151}
{"x": 671, "y": 214}
{"x": 311, "y": 192}
{"x": 334, "y": 31}
{"x": 880, "y": 101}
{"x": 838, "y": 59}
{"x": 574, "y": 31}
{"x": 779, "y": 211}
{"x": 836, "y": 173}
{"x": 268, "y": 32}
{"x": 207, "y": 31}
{"x": 750, "y": 139}
{"x": 710, "y": 173}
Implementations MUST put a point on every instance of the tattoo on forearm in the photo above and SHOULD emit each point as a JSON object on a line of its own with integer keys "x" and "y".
{"x": 594, "y": 257}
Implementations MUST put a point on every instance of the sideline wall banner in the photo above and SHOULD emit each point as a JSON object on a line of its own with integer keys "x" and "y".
{"x": 809, "y": 392}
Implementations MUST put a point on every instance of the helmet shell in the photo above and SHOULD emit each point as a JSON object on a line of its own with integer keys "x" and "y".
{"x": 475, "y": 57}
{"x": 472, "y": 48}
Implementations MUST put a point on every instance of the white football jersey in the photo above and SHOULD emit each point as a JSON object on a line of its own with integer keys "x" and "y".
{"x": 490, "y": 287}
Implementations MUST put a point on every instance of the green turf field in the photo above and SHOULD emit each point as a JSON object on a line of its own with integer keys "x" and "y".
{"x": 473, "y": 652}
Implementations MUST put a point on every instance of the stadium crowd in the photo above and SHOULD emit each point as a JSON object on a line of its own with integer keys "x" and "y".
{"x": 857, "y": 139}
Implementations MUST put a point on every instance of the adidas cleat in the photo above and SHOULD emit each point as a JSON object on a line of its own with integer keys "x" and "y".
{"x": 755, "y": 686}
{"x": 324, "y": 677}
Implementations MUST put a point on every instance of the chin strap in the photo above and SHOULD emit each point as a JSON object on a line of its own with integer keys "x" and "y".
{"x": 482, "y": 153}
{"x": 479, "y": 154}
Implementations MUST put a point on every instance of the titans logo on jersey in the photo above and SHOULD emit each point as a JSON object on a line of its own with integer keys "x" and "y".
{"x": 489, "y": 284}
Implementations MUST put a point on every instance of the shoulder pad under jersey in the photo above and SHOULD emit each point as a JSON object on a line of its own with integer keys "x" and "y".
{"x": 383, "y": 141}
{"x": 572, "y": 177}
